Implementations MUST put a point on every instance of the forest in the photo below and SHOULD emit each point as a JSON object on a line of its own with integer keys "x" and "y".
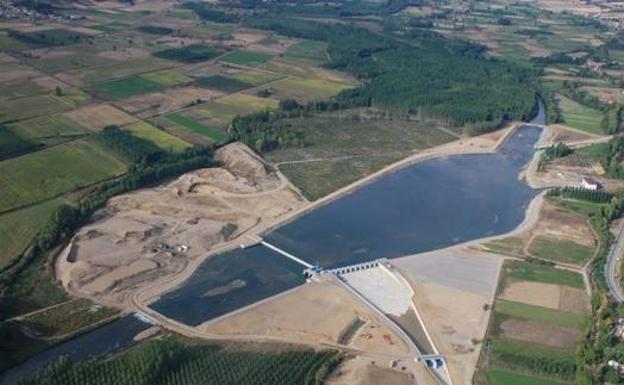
{"x": 440, "y": 78}
{"x": 171, "y": 362}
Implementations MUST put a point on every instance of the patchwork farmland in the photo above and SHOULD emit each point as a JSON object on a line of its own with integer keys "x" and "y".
{"x": 80, "y": 100}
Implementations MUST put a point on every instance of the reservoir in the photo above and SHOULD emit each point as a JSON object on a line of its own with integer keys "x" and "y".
{"x": 425, "y": 206}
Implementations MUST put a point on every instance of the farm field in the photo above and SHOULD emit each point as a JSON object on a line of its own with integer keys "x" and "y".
{"x": 536, "y": 324}
{"x": 12, "y": 144}
{"x": 48, "y": 127}
{"x": 246, "y": 58}
{"x": 212, "y": 133}
{"x": 159, "y": 137}
{"x": 542, "y": 273}
{"x": 33, "y": 106}
{"x": 45, "y": 174}
{"x": 204, "y": 363}
{"x": 502, "y": 377}
{"x": 308, "y": 50}
{"x": 257, "y": 77}
{"x": 578, "y": 116}
{"x": 222, "y": 83}
{"x": 124, "y": 88}
{"x": 342, "y": 149}
{"x": 68, "y": 318}
{"x": 17, "y": 228}
{"x": 560, "y": 250}
{"x": 167, "y": 78}
{"x": 307, "y": 89}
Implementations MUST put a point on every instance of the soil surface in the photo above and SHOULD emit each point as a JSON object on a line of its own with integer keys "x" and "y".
{"x": 151, "y": 234}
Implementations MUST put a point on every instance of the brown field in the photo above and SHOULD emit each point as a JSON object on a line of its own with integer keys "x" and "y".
{"x": 313, "y": 313}
{"x": 96, "y": 117}
{"x": 560, "y": 224}
{"x": 455, "y": 319}
{"x": 157, "y": 103}
{"x": 124, "y": 54}
{"x": 606, "y": 94}
{"x": 548, "y": 295}
{"x": 13, "y": 71}
{"x": 363, "y": 372}
{"x": 540, "y": 333}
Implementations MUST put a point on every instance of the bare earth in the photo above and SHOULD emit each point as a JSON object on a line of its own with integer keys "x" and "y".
{"x": 150, "y": 234}
{"x": 315, "y": 313}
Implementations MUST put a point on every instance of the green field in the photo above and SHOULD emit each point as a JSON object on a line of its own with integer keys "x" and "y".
{"x": 257, "y": 77}
{"x": 579, "y": 116}
{"x": 353, "y": 148}
{"x": 537, "y": 272}
{"x": 212, "y": 133}
{"x": 9, "y": 43}
{"x": 249, "y": 103}
{"x": 17, "y": 228}
{"x": 580, "y": 207}
{"x": 542, "y": 314}
{"x": 502, "y": 377}
{"x": 51, "y": 126}
{"x": 167, "y": 78}
{"x": 124, "y": 88}
{"x": 69, "y": 62}
{"x": 522, "y": 357}
{"x": 513, "y": 246}
{"x": 21, "y": 88}
{"x": 119, "y": 70}
{"x": 13, "y": 144}
{"x": 68, "y": 318}
{"x": 560, "y": 250}
{"x": 24, "y": 108}
{"x": 308, "y": 89}
{"x": 47, "y": 173}
{"x": 248, "y": 58}
{"x": 157, "y": 136}
{"x": 308, "y": 50}
{"x": 223, "y": 83}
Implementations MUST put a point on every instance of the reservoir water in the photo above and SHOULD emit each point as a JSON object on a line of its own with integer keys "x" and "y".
{"x": 424, "y": 206}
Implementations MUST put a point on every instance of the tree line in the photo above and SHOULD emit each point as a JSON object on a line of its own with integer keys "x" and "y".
{"x": 441, "y": 78}
{"x": 170, "y": 362}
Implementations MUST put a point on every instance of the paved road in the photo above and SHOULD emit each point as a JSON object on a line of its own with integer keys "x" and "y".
{"x": 611, "y": 267}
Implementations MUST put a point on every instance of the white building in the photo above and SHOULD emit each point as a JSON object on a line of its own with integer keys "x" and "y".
{"x": 590, "y": 183}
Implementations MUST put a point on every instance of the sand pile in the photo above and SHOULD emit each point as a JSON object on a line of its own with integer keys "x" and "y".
{"x": 154, "y": 233}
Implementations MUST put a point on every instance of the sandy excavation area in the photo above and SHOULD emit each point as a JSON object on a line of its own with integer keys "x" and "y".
{"x": 152, "y": 234}
{"x": 451, "y": 287}
{"x": 315, "y": 313}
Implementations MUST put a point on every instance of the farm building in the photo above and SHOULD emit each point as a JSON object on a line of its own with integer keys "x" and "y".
{"x": 590, "y": 183}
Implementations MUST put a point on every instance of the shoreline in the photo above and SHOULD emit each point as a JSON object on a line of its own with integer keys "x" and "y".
{"x": 469, "y": 146}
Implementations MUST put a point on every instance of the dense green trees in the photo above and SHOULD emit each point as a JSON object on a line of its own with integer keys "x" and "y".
{"x": 264, "y": 131}
{"x": 597, "y": 196}
{"x": 558, "y": 150}
{"x": 168, "y": 362}
{"x": 210, "y": 13}
{"x": 126, "y": 145}
{"x": 194, "y": 53}
{"x": 421, "y": 72}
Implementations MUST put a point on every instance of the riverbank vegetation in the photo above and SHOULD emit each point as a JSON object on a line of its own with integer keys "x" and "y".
{"x": 177, "y": 362}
